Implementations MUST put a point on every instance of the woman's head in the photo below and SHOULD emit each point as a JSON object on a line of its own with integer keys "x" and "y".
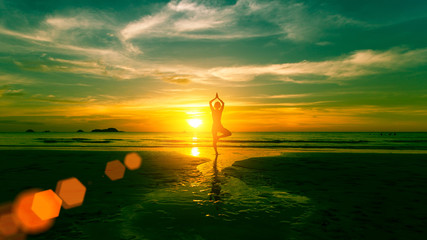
{"x": 217, "y": 105}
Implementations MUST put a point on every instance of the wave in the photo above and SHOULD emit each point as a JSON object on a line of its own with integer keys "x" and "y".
{"x": 294, "y": 141}
{"x": 263, "y": 141}
{"x": 407, "y": 147}
{"x": 409, "y": 141}
{"x": 71, "y": 140}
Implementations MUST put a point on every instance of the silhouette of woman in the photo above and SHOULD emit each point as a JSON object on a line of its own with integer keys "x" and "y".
{"x": 217, "y": 125}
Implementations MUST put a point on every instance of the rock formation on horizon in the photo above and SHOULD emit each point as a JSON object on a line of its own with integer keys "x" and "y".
{"x": 106, "y": 130}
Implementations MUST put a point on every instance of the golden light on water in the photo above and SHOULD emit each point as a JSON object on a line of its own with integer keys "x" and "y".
{"x": 194, "y": 122}
{"x": 195, "y": 151}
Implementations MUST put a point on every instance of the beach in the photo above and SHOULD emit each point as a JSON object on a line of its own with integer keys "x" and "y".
{"x": 352, "y": 195}
{"x": 250, "y": 194}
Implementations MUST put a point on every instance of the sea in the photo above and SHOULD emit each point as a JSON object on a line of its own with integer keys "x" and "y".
{"x": 411, "y": 142}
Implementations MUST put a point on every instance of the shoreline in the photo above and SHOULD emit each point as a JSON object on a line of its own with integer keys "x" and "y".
{"x": 227, "y": 149}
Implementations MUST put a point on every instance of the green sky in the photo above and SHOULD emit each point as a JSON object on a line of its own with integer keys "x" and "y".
{"x": 149, "y": 65}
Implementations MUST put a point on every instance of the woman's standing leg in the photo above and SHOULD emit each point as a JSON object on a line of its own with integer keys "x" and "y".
{"x": 214, "y": 139}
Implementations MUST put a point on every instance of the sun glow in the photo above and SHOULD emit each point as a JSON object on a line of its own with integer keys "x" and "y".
{"x": 194, "y": 122}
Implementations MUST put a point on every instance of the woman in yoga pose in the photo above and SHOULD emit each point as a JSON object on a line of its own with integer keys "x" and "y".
{"x": 217, "y": 125}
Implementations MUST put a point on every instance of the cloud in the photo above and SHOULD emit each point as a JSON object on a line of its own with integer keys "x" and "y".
{"x": 61, "y": 100}
{"x": 13, "y": 92}
{"x": 192, "y": 19}
{"x": 71, "y": 27}
{"x": 13, "y": 122}
{"x": 177, "y": 18}
{"x": 33, "y": 36}
{"x": 112, "y": 53}
{"x": 7, "y": 91}
{"x": 177, "y": 79}
{"x": 284, "y": 96}
{"x": 7, "y": 79}
{"x": 350, "y": 66}
{"x": 363, "y": 62}
{"x": 283, "y": 104}
{"x": 178, "y": 90}
{"x": 80, "y": 19}
{"x": 145, "y": 24}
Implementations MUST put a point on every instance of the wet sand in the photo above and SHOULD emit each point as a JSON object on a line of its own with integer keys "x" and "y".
{"x": 176, "y": 196}
{"x": 352, "y": 195}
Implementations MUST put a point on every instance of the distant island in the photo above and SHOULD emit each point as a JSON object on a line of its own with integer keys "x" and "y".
{"x": 29, "y": 130}
{"x": 82, "y": 130}
{"x": 106, "y": 130}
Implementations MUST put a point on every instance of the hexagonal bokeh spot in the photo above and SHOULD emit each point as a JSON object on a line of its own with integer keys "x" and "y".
{"x": 71, "y": 191}
{"x": 133, "y": 161}
{"x": 9, "y": 224}
{"x": 28, "y": 220}
{"x": 115, "y": 170}
{"x": 46, "y": 204}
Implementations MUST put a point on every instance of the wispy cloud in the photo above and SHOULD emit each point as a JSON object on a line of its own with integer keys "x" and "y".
{"x": 364, "y": 62}
{"x": 14, "y": 122}
{"x": 356, "y": 64}
{"x": 7, "y": 79}
{"x": 282, "y": 104}
{"x": 192, "y": 19}
{"x": 31, "y": 36}
{"x": 79, "y": 20}
{"x": 284, "y": 96}
{"x": 180, "y": 19}
{"x": 61, "y": 100}
{"x": 8, "y": 91}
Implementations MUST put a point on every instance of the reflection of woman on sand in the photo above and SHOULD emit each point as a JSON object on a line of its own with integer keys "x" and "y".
{"x": 217, "y": 126}
{"x": 216, "y": 184}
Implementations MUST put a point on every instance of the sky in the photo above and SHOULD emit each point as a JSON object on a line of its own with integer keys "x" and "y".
{"x": 150, "y": 66}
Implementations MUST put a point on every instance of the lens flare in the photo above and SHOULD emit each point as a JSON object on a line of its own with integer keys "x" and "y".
{"x": 133, "y": 161}
{"x": 9, "y": 224}
{"x": 29, "y": 221}
{"x": 71, "y": 191}
{"x": 115, "y": 170}
{"x": 46, "y": 205}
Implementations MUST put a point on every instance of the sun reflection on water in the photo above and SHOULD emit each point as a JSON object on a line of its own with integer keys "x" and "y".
{"x": 195, "y": 151}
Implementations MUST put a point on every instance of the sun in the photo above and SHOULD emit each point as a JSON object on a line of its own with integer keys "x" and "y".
{"x": 194, "y": 122}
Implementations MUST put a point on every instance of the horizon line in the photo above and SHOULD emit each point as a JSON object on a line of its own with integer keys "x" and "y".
{"x": 233, "y": 132}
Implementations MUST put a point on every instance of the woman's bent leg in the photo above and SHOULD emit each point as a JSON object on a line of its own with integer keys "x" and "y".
{"x": 225, "y": 133}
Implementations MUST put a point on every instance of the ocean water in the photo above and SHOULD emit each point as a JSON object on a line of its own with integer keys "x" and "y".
{"x": 306, "y": 141}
